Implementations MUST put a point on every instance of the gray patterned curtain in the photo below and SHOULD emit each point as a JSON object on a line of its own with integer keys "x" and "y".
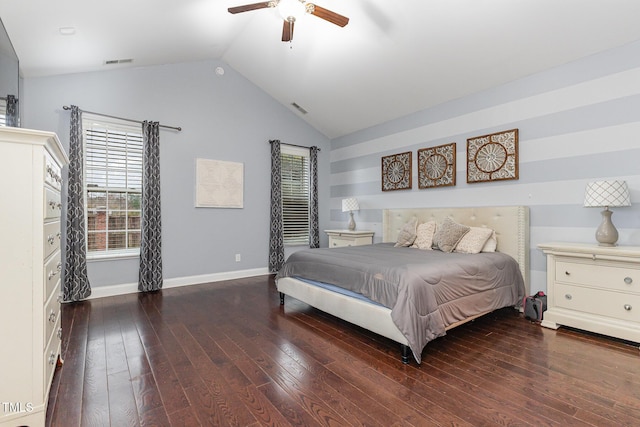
{"x": 76, "y": 285}
{"x": 276, "y": 240}
{"x": 314, "y": 231}
{"x": 150, "y": 277}
{"x": 11, "y": 113}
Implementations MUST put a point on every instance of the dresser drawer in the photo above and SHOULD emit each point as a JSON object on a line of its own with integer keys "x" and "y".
{"x": 51, "y": 238}
{"x": 52, "y": 172}
{"x": 52, "y": 204}
{"x": 616, "y": 305}
{"x": 51, "y": 315}
{"x": 609, "y": 277}
{"x": 52, "y": 270}
{"x": 50, "y": 357}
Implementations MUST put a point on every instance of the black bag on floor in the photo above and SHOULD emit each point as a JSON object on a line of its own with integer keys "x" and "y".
{"x": 534, "y": 306}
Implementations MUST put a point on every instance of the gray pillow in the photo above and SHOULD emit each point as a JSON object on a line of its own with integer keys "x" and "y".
{"x": 448, "y": 234}
{"x": 407, "y": 235}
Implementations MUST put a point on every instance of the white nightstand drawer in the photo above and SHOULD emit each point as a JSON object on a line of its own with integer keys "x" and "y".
{"x": 342, "y": 238}
{"x": 609, "y": 277}
{"x": 617, "y": 305}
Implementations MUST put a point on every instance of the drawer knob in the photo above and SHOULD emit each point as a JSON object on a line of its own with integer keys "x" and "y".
{"x": 52, "y": 358}
{"x": 627, "y": 307}
{"x": 52, "y": 316}
{"x": 50, "y": 239}
{"x": 52, "y": 274}
{"x": 628, "y": 280}
{"x": 568, "y": 296}
{"x": 566, "y": 273}
{"x": 59, "y": 333}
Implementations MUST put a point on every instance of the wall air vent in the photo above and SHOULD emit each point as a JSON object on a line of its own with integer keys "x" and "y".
{"x": 118, "y": 61}
{"x": 299, "y": 108}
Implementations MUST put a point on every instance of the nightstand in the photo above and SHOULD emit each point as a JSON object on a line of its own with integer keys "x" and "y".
{"x": 593, "y": 288}
{"x": 340, "y": 238}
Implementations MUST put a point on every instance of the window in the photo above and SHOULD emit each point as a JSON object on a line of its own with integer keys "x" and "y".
{"x": 113, "y": 183}
{"x": 295, "y": 194}
{"x": 3, "y": 112}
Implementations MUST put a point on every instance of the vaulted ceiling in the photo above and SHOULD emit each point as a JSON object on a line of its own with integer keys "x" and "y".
{"x": 392, "y": 59}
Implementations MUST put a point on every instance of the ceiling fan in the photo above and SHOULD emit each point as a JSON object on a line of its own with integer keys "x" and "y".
{"x": 289, "y": 9}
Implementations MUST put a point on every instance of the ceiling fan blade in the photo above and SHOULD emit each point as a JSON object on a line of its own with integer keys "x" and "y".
{"x": 328, "y": 15}
{"x": 287, "y": 30}
{"x": 248, "y": 7}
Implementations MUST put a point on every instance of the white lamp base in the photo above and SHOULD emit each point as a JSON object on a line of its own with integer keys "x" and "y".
{"x": 606, "y": 234}
{"x": 352, "y": 223}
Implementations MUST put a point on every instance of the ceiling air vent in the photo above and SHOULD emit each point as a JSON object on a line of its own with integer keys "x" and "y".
{"x": 299, "y": 108}
{"x": 118, "y": 61}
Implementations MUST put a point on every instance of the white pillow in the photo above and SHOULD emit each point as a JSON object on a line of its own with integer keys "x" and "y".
{"x": 492, "y": 243}
{"x": 474, "y": 240}
{"x": 407, "y": 235}
{"x": 424, "y": 238}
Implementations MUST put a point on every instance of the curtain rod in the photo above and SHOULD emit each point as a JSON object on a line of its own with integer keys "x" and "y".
{"x": 292, "y": 145}
{"x": 65, "y": 107}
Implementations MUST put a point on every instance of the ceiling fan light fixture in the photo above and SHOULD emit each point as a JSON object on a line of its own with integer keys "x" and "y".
{"x": 291, "y": 9}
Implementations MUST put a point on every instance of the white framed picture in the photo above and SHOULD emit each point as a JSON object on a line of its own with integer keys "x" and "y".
{"x": 219, "y": 184}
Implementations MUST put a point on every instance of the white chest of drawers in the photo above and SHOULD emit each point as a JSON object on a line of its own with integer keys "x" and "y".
{"x": 30, "y": 266}
{"x": 341, "y": 238}
{"x": 593, "y": 288}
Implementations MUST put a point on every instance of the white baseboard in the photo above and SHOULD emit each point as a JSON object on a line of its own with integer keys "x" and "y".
{"x": 130, "y": 288}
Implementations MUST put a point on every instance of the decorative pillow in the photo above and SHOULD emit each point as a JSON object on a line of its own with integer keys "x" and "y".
{"x": 448, "y": 234}
{"x": 492, "y": 243}
{"x": 407, "y": 234}
{"x": 424, "y": 238}
{"x": 474, "y": 240}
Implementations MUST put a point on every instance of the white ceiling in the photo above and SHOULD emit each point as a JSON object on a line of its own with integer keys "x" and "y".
{"x": 392, "y": 59}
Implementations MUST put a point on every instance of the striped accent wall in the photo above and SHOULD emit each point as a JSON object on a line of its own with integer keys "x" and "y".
{"x": 577, "y": 123}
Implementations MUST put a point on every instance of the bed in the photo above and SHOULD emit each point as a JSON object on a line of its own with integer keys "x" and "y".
{"x": 511, "y": 226}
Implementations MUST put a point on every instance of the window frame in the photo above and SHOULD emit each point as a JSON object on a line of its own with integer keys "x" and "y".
{"x": 92, "y": 121}
{"x": 302, "y": 228}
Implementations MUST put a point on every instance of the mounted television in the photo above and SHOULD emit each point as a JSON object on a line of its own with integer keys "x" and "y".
{"x": 9, "y": 80}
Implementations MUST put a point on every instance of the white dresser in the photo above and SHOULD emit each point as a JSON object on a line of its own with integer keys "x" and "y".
{"x": 594, "y": 288}
{"x": 340, "y": 238}
{"x": 30, "y": 266}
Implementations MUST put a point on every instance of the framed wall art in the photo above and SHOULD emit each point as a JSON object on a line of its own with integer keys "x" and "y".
{"x": 219, "y": 184}
{"x": 396, "y": 172}
{"x": 493, "y": 157}
{"x": 437, "y": 166}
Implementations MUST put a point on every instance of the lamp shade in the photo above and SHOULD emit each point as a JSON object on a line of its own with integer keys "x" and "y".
{"x": 606, "y": 194}
{"x": 350, "y": 204}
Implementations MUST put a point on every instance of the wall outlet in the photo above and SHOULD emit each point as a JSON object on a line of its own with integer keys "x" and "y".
{"x": 238, "y": 258}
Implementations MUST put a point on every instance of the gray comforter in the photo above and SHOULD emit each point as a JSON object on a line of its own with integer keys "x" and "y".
{"x": 425, "y": 290}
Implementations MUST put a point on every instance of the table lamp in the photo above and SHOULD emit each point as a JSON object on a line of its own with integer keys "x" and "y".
{"x": 350, "y": 205}
{"x": 607, "y": 194}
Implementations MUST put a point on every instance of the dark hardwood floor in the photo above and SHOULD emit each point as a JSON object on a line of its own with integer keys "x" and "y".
{"x": 227, "y": 353}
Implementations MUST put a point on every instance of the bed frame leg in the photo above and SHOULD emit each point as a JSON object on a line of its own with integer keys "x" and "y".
{"x": 405, "y": 354}
{"x": 281, "y": 298}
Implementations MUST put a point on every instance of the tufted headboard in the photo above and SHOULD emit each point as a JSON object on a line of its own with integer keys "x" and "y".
{"x": 511, "y": 224}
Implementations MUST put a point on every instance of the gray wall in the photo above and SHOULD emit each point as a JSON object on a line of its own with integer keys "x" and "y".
{"x": 577, "y": 123}
{"x": 223, "y": 118}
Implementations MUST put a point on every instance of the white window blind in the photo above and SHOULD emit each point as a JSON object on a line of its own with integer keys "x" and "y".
{"x": 113, "y": 183}
{"x": 3, "y": 112}
{"x": 295, "y": 194}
